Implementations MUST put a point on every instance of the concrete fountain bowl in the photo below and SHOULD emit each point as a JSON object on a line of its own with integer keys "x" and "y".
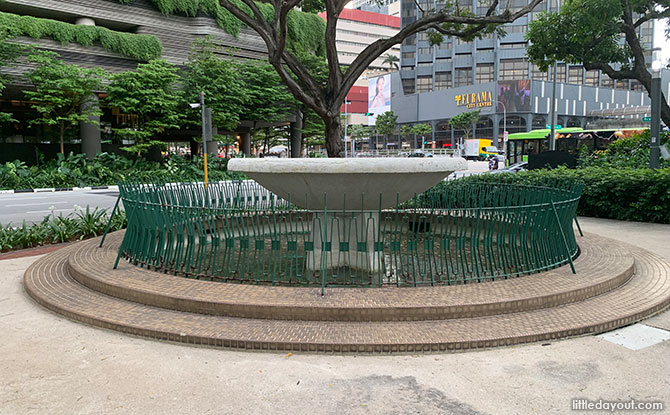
{"x": 351, "y": 184}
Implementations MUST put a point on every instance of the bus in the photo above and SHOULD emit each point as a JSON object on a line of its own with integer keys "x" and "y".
{"x": 570, "y": 140}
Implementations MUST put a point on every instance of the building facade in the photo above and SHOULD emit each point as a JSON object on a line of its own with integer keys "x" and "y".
{"x": 437, "y": 82}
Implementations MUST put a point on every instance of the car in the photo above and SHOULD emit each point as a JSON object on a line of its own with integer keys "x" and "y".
{"x": 513, "y": 168}
{"x": 420, "y": 153}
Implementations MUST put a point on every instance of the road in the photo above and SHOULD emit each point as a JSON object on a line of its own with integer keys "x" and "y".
{"x": 33, "y": 207}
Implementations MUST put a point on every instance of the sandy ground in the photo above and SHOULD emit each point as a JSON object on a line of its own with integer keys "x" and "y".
{"x": 50, "y": 365}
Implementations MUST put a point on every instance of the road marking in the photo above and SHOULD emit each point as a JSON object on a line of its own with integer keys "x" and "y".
{"x": 27, "y": 197}
{"x": 49, "y": 211}
{"x": 34, "y": 204}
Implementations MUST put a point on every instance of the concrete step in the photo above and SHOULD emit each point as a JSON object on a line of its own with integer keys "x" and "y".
{"x": 646, "y": 292}
{"x": 603, "y": 265}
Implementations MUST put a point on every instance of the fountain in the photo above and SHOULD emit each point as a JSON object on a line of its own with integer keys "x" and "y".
{"x": 354, "y": 192}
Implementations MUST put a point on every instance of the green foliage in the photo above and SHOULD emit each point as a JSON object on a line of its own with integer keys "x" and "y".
{"x": 358, "y": 131}
{"x": 9, "y": 54}
{"x": 465, "y": 121}
{"x": 630, "y": 153}
{"x": 225, "y": 92}
{"x": 267, "y": 98}
{"x": 313, "y": 6}
{"x": 391, "y": 60}
{"x": 63, "y": 92}
{"x": 305, "y": 31}
{"x": 585, "y": 31}
{"x": 135, "y": 46}
{"x": 386, "y": 123}
{"x": 150, "y": 93}
{"x": 641, "y": 195}
{"x": 84, "y": 223}
{"x": 74, "y": 170}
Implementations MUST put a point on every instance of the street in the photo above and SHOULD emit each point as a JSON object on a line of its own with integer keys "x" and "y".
{"x": 33, "y": 207}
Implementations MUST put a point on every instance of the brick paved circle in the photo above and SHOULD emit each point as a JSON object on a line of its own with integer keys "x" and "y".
{"x": 78, "y": 283}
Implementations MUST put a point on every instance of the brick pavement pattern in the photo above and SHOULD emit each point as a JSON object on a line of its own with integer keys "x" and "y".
{"x": 616, "y": 284}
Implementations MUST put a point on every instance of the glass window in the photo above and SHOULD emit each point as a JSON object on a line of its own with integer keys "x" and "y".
{"x": 442, "y": 80}
{"x": 560, "y": 72}
{"x": 425, "y": 51}
{"x": 463, "y": 77}
{"x": 537, "y": 74}
{"x": 575, "y": 75}
{"x": 635, "y": 85}
{"x": 408, "y": 86}
{"x": 513, "y": 69}
{"x": 622, "y": 84}
{"x": 408, "y": 55}
{"x": 606, "y": 81}
{"x": 411, "y": 40}
{"x": 484, "y": 73}
{"x": 517, "y": 45}
{"x": 424, "y": 84}
{"x": 424, "y": 64}
{"x": 591, "y": 78}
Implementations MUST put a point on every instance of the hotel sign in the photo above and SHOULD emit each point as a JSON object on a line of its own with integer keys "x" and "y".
{"x": 474, "y": 100}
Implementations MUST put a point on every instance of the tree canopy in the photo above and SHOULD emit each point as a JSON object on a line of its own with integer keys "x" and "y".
{"x": 63, "y": 92}
{"x": 449, "y": 19}
{"x": 601, "y": 35}
{"x": 465, "y": 121}
{"x": 386, "y": 123}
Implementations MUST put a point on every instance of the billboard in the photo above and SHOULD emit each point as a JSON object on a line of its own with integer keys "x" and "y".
{"x": 379, "y": 96}
{"x": 515, "y": 95}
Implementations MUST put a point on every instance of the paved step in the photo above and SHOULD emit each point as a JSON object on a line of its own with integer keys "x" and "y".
{"x": 603, "y": 265}
{"x": 49, "y": 282}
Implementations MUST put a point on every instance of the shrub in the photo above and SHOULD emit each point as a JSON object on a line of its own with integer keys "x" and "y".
{"x": 84, "y": 223}
{"x": 629, "y": 194}
{"x": 630, "y": 152}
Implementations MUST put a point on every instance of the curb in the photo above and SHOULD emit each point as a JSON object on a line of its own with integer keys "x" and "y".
{"x": 60, "y": 189}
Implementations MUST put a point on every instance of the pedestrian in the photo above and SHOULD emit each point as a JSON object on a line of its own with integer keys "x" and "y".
{"x": 490, "y": 160}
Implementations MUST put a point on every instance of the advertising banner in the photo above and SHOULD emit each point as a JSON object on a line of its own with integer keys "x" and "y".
{"x": 379, "y": 96}
{"x": 514, "y": 95}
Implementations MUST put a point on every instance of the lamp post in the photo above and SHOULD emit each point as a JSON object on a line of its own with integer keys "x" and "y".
{"x": 201, "y": 105}
{"x": 504, "y": 120}
{"x": 346, "y": 121}
{"x": 552, "y": 136}
{"x": 654, "y": 150}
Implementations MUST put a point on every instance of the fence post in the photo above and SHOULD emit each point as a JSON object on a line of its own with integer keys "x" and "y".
{"x": 109, "y": 222}
{"x": 565, "y": 241}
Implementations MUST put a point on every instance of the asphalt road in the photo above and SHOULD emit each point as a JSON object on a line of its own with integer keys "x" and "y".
{"x": 33, "y": 207}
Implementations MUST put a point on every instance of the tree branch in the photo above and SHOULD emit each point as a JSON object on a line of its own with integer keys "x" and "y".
{"x": 371, "y": 52}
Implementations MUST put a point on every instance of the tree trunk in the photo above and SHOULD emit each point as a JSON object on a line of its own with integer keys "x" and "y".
{"x": 334, "y": 144}
{"x": 62, "y": 130}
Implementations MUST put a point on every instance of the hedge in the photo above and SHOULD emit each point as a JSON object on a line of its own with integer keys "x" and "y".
{"x": 641, "y": 195}
{"x": 136, "y": 46}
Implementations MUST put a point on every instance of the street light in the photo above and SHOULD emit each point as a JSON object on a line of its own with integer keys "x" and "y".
{"x": 654, "y": 150}
{"x": 201, "y": 105}
{"x": 552, "y": 136}
{"x": 346, "y": 121}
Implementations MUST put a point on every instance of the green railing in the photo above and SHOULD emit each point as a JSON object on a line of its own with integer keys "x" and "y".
{"x": 475, "y": 229}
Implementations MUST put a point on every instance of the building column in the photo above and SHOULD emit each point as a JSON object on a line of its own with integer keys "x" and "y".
{"x": 246, "y": 143}
{"x": 529, "y": 121}
{"x": 89, "y": 133}
{"x": 296, "y": 136}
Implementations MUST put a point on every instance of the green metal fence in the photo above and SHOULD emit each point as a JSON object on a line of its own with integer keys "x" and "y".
{"x": 468, "y": 230}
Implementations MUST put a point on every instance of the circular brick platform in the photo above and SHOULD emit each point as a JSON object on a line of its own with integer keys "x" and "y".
{"x": 616, "y": 284}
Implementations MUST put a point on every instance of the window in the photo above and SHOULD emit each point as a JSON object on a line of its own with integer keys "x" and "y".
{"x": 425, "y": 51}
{"x": 513, "y": 69}
{"x": 575, "y": 75}
{"x": 408, "y": 86}
{"x": 442, "y": 80}
{"x": 465, "y": 4}
{"x": 463, "y": 77}
{"x": 516, "y": 29}
{"x": 484, "y": 73}
{"x": 622, "y": 84}
{"x": 445, "y": 45}
{"x": 407, "y": 68}
{"x": 516, "y": 5}
{"x": 408, "y": 55}
{"x": 411, "y": 40}
{"x": 424, "y": 84}
{"x": 560, "y": 72}
{"x": 517, "y": 45}
{"x": 606, "y": 81}
{"x": 423, "y": 36}
{"x": 537, "y": 74}
{"x": 484, "y": 128}
{"x": 424, "y": 64}
{"x": 591, "y": 78}
{"x": 635, "y": 85}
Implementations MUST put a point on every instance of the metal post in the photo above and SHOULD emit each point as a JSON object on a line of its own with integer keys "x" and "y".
{"x": 346, "y": 121}
{"x": 552, "y": 136}
{"x": 654, "y": 150}
{"x": 109, "y": 222}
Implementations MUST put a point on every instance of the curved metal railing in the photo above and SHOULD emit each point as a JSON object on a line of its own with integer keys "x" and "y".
{"x": 474, "y": 229}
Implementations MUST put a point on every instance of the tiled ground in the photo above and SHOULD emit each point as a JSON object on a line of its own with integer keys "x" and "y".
{"x": 603, "y": 295}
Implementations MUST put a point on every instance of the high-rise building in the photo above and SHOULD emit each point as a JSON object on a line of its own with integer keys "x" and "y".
{"x": 494, "y": 75}
{"x": 356, "y": 29}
